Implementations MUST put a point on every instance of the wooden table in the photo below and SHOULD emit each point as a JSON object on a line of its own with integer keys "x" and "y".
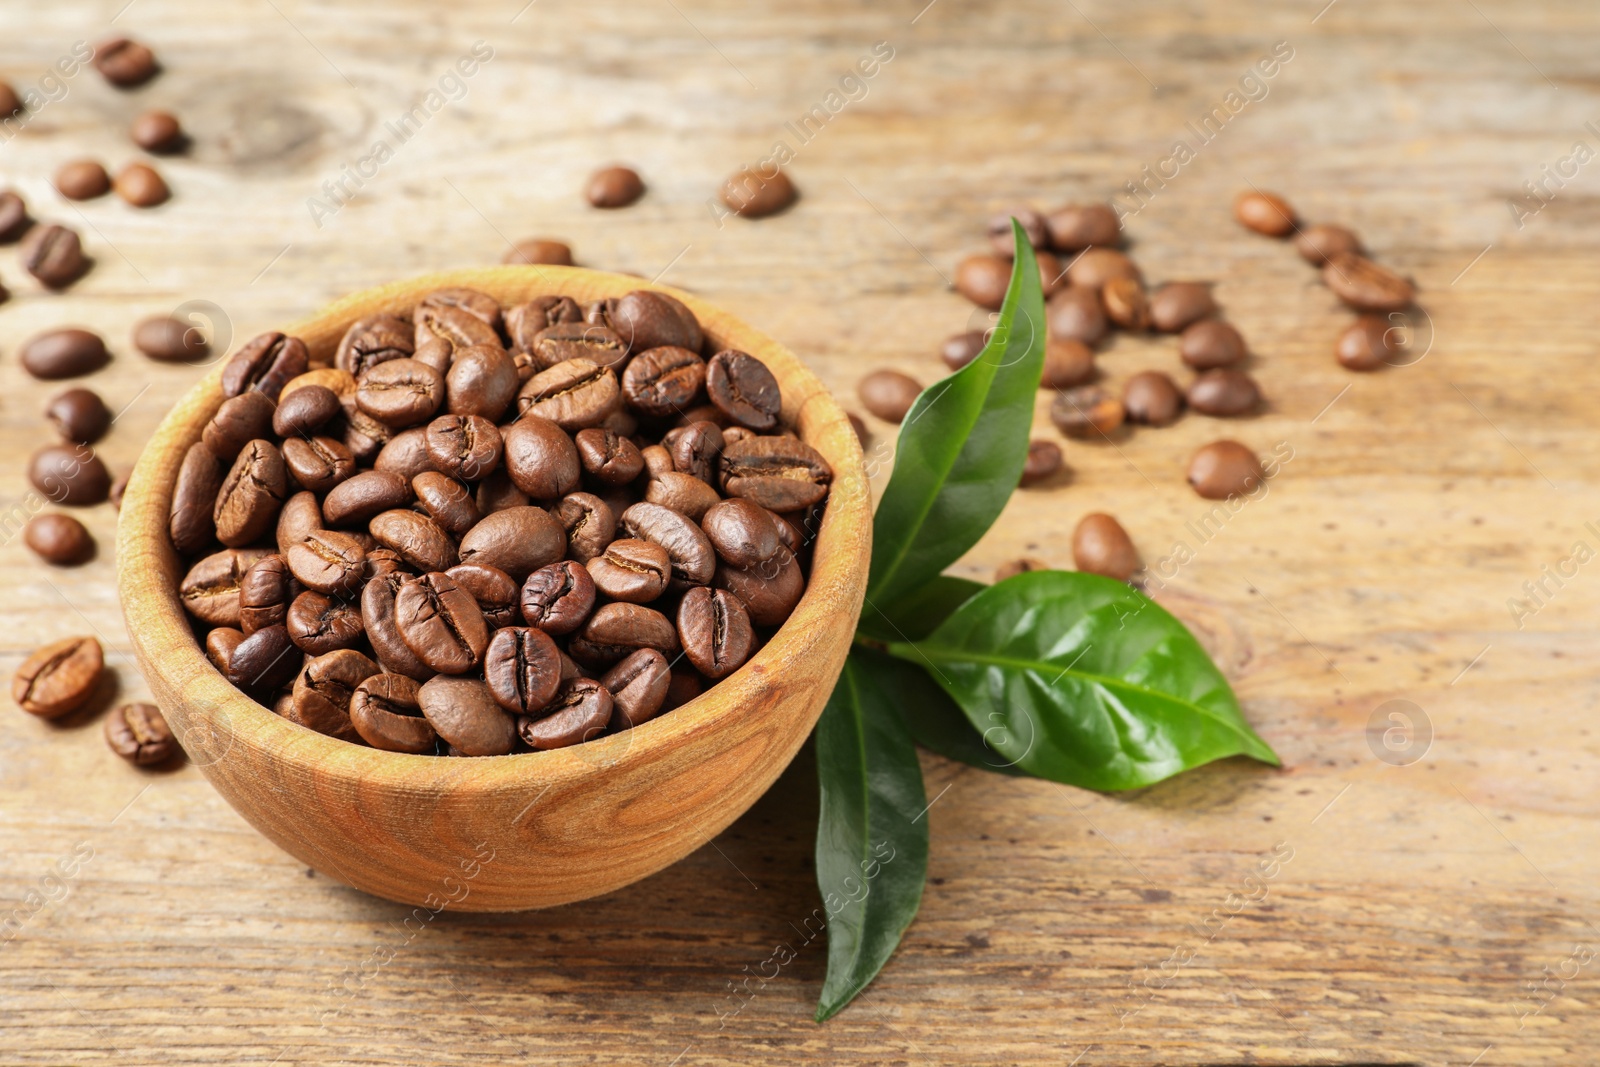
{"x": 1436, "y": 912}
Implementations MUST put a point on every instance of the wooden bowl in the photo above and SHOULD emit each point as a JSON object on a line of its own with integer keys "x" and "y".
{"x": 503, "y": 833}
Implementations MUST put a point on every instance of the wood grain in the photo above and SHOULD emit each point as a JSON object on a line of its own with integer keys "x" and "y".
{"x": 1420, "y": 900}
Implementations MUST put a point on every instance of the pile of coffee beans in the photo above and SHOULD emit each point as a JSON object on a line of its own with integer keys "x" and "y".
{"x": 483, "y": 529}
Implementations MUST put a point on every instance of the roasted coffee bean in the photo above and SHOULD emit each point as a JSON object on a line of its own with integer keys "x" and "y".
{"x": 558, "y": 598}
{"x": 378, "y": 620}
{"x": 441, "y": 623}
{"x": 14, "y": 219}
{"x": 779, "y": 473}
{"x": 1366, "y": 286}
{"x": 536, "y": 250}
{"x": 474, "y": 302}
{"x": 1075, "y": 314}
{"x": 124, "y": 63}
{"x": 438, "y": 354}
{"x": 1101, "y": 546}
{"x": 463, "y": 446}
{"x": 744, "y": 390}
{"x": 692, "y": 557}
{"x": 328, "y": 561}
{"x": 264, "y": 661}
{"x": 58, "y": 678}
{"x": 364, "y": 435}
{"x": 607, "y": 457}
{"x": 266, "y": 364}
{"x": 220, "y": 643}
{"x": 79, "y": 416}
{"x": 323, "y": 690}
{"x": 446, "y": 501}
{"x": 613, "y": 187}
{"x": 1320, "y": 243}
{"x": 341, "y": 383}
{"x": 565, "y": 341}
{"x": 1034, "y": 228}
{"x": 1078, "y": 226}
{"x": 482, "y": 381}
{"x": 382, "y": 560}
{"x": 888, "y": 394}
{"x": 743, "y": 534}
{"x": 540, "y": 458}
{"x": 210, "y": 590}
{"x": 1224, "y": 392}
{"x": 406, "y": 454}
{"x": 615, "y": 631}
{"x": 251, "y": 494}
{"x": 715, "y": 631}
{"x": 1087, "y": 412}
{"x": 1044, "y": 459}
{"x": 661, "y": 382}
{"x": 373, "y": 341}
{"x": 319, "y": 463}
{"x": 69, "y": 353}
{"x": 354, "y": 501}
{"x": 526, "y": 321}
{"x": 82, "y": 179}
{"x": 305, "y": 411}
{"x": 696, "y": 449}
{"x": 769, "y": 590}
{"x": 53, "y": 254}
{"x": 983, "y": 280}
{"x": 1097, "y": 266}
{"x": 962, "y": 348}
{"x": 1223, "y": 469}
{"x": 265, "y": 592}
{"x": 457, "y": 326}
{"x": 657, "y": 460}
{"x": 683, "y": 493}
{"x": 169, "y": 340}
{"x": 575, "y": 394}
{"x": 1019, "y": 566}
{"x": 638, "y": 688}
{"x": 1366, "y": 344}
{"x": 158, "y": 132}
{"x": 579, "y": 712}
{"x": 1067, "y": 363}
{"x": 194, "y": 494}
{"x": 1151, "y": 398}
{"x": 464, "y": 714}
{"x": 1178, "y": 305}
{"x": 386, "y": 710}
{"x": 416, "y": 538}
{"x": 631, "y": 570}
{"x": 142, "y": 185}
{"x": 496, "y": 592}
{"x": 590, "y": 524}
{"x": 240, "y": 420}
{"x": 400, "y": 392}
{"x": 1211, "y": 343}
{"x": 139, "y": 734}
{"x": 58, "y": 539}
{"x": 518, "y": 540}
{"x": 69, "y": 474}
{"x": 755, "y": 194}
{"x": 522, "y": 669}
{"x": 300, "y": 515}
{"x": 1126, "y": 303}
{"x": 1265, "y": 213}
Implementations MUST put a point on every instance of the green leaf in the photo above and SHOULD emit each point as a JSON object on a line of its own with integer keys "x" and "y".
{"x": 961, "y": 449}
{"x": 933, "y": 719}
{"x": 917, "y": 614}
{"x": 1089, "y": 681}
{"x": 872, "y": 832}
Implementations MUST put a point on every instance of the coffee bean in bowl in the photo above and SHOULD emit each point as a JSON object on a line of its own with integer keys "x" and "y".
{"x": 426, "y": 574}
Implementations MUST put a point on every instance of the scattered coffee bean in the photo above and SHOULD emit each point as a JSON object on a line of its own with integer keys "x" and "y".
{"x": 139, "y": 734}
{"x": 1366, "y": 344}
{"x": 1087, "y": 412}
{"x": 79, "y": 416}
{"x": 960, "y": 349}
{"x": 1078, "y": 226}
{"x": 82, "y": 179}
{"x": 142, "y": 186}
{"x": 1019, "y": 566}
{"x": 58, "y": 539}
{"x": 67, "y": 353}
{"x": 69, "y": 474}
{"x": 1223, "y": 469}
{"x": 614, "y": 187}
{"x": 1097, "y": 266}
{"x": 124, "y": 63}
{"x": 1101, "y": 546}
{"x": 58, "y": 678}
{"x": 1075, "y": 314}
{"x": 540, "y": 250}
{"x": 1034, "y": 228}
{"x": 1151, "y": 398}
{"x": 14, "y": 219}
{"x": 169, "y": 340}
{"x": 1224, "y": 392}
{"x": 1178, "y": 305}
{"x": 888, "y": 394}
{"x": 1366, "y": 286}
{"x": 1211, "y": 343}
{"x": 159, "y": 132}
{"x": 1044, "y": 459}
{"x": 755, "y": 194}
{"x": 1067, "y": 363}
{"x": 1320, "y": 243}
{"x": 53, "y": 254}
{"x": 1126, "y": 303}
{"x": 1265, "y": 213}
{"x": 983, "y": 280}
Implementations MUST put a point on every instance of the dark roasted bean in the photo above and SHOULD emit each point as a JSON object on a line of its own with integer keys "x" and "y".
{"x": 300, "y": 515}
{"x": 69, "y": 474}
{"x": 631, "y": 570}
{"x": 478, "y": 304}
{"x": 522, "y": 668}
{"x": 482, "y": 380}
{"x": 67, "y": 353}
{"x": 446, "y": 501}
{"x": 1067, "y": 363}
{"x": 318, "y": 463}
{"x": 1265, "y": 213}
{"x": 354, "y": 501}
{"x": 540, "y": 458}
{"x": 575, "y": 394}
{"x": 983, "y": 279}
{"x": 693, "y": 559}
{"x": 264, "y": 661}
{"x": 58, "y": 539}
{"x": 1101, "y": 546}
{"x": 53, "y": 254}
{"x": 124, "y": 63}
{"x": 1223, "y": 469}
{"x": 406, "y": 454}
{"x": 139, "y": 734}
{"x": 683, "y": 493}
{"x": 769, "y": 590}
{"x": 328, "y": 561}
{"x": 267, "y": 363}
{"x": 558, "y": 598}
{"x": 638, "y": 688}
{"x": 14, "y": 219}
{"x": 1126, "y": 303}
{"x": 1151, "y": 398}
{"x": 744, "y": 390}
{"x": 779, "y": 473}
{"x": 1178, "y": 305}
{"x": 323, "y": 690}
{"x": 1224, "y": 392}
{"x": 664, "y": 381}
{"x": 58, "y": 678}
{"x": 378, "y": 619}
{"x": 240, "y": 420}
{"x": 1078, "y": 226}
{"x": 715, "y": 630}
{"x": 1044, "y": 459}
{"x": 539, "y": 250}
{"x": 607, "y": 457}
{"x": 1087, "y": 412}
{"x": 614, "y": 631}
{"x": 400, "y": 392}
{"x": 563, "y": 341}
{"x": 220, "y": 643}
{"x": 320, "y": 624}
{"x": 1075, "y": 314}
{"x": 495, "y": 591}
{"x": 458, "y": 326}
{"x": 441, "y": 623}
{"x": 386, "y": 710}
{"x": 371, "y": 341}
{"x": 194, "y": 494}
{"x": 251, "y": 494}
{"x": 646, "y": 319}
{"x": 580, "y": 711}
{"x": 614, "y": 187}
{"x": 1211, "y": 343}
{"x": 169, "y": 340}
{"x": 416, "y": 538}
{"x": 742, "y": 533}
{"x": 265, "y": 592}
{"x": 1366, "y": 344}
{"x": 467, "y": 447}
{"x": 754, "y": 193}
{"x": 888, "y": 394}
{"x": 696, "y": 449}
{"x": 465, "y": 715}
{"x": 518, "y": 540}
{"x": 142, "y": 185}
{"x": 1320, "y": 243}
{"x": 82, "y": 179}
{"x": 210, "y": 590}
{"x": 590, "y": 524}
{"x": 1365, "y": 285}
{"x": 305, "y": 411}
{"x": 158, "y": 132}
{"x": 525, "y": 321}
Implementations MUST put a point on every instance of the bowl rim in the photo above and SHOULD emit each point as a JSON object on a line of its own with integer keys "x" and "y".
{"x": 148, "y": 568}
